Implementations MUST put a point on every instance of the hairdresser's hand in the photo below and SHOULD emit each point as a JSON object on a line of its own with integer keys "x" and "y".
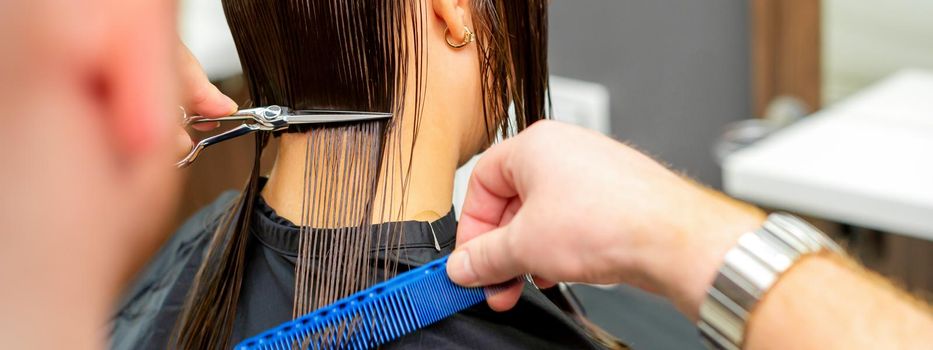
{"x": 199, "y": 96}
{"x": 567, "y": 204}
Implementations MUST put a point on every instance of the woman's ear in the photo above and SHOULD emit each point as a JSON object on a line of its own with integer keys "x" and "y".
{"x": 452, "y": 12}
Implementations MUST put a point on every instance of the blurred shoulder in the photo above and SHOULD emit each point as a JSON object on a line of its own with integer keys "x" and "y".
{"x": 145, "y": 297}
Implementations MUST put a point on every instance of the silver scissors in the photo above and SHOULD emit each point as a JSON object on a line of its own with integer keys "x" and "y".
{"x": 269, "y": 118}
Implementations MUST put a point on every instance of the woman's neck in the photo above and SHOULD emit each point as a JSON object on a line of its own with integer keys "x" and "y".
{"x": 429, "y": 190}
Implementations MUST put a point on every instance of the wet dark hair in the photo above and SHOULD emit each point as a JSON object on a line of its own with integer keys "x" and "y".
{"x": 352, "y": 55}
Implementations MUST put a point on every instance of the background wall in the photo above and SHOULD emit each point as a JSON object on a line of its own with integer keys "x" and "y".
{"x": 676, "y": 70}
{"x": 865, "y": 40}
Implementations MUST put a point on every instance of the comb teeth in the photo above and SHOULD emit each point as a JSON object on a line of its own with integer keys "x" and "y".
{"x": 374, "y": 316}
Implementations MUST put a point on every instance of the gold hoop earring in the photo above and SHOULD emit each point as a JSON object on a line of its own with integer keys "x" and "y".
{"x": 468, "y": 37}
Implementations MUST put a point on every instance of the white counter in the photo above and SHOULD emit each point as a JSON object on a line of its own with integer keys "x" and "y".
{"x": 866, "y": 161}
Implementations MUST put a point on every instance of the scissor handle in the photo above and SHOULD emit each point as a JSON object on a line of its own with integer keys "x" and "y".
{"x": 226, "y": 135}
{"x": 253, "y": 114}
{"x": 196, "y": 119}
{"x": 243, "y": 115}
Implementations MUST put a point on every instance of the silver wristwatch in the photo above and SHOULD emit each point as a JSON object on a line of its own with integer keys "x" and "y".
{"x": 749, "y": 270}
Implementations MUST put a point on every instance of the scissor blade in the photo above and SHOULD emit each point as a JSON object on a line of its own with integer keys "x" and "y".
{"x": 323, "y": 118}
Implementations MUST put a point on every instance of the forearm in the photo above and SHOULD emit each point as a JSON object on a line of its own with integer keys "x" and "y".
{"x": 823, "y": 301}
{"x": 827, "y": 302}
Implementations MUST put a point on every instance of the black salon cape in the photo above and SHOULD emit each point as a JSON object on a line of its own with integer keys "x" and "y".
{"x": 146, "y": 316}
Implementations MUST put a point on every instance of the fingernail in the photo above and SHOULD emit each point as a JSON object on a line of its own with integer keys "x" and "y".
{"x": 462, "y": 271}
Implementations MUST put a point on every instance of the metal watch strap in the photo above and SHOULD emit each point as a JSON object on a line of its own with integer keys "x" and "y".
{"x": 748, "y": 271}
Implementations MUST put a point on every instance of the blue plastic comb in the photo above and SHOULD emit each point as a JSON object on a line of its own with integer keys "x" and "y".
{"x": 374, "y": 316}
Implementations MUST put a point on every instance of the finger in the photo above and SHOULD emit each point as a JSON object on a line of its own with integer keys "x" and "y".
{"x": 543, "y": 283}
{"x": 205, "y": 126}
{"x": 488, "y": 194}
{"x": 183, "y": 144}
{"x": 487, "y": 259}
{"x": 202, "y": 126}
{"x": 505, "y": 297}
{"x": 202, "y": 97}
{"x": 511, "y": 209}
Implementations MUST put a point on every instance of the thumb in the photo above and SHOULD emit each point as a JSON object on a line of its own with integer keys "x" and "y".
{"x": 485, "y": 260}
{"x": 203, "y": 98}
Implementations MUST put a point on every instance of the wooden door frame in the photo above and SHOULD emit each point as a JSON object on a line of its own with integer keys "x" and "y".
{"x": 786, "y": 52}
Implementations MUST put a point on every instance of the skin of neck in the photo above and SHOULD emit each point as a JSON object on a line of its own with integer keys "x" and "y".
{"x": 429, "y": 191}
{"x": 451, "y": 130}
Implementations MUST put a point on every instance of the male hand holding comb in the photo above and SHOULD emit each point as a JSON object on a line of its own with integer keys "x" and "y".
{"x": 568, "y": 204}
